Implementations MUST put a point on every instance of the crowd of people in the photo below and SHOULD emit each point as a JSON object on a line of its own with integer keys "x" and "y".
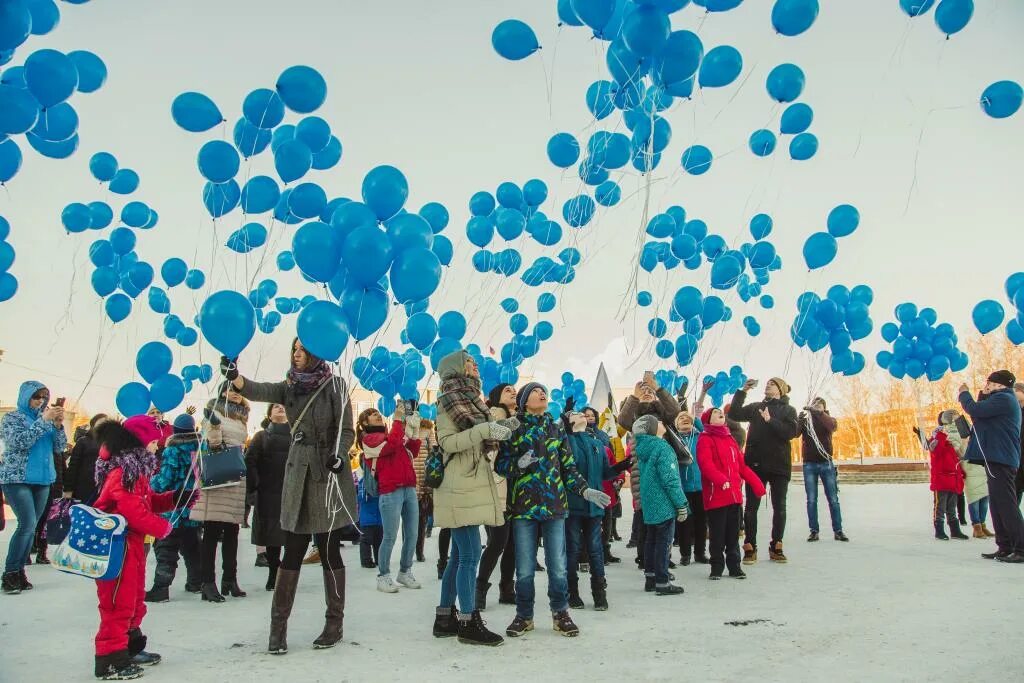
{"x": 532, "y": 480}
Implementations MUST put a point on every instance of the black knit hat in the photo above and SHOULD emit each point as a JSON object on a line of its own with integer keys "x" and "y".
{"x": 1004, "y": 377}
{"x": 494, "y": 397}
{"x": 524, "y": 395}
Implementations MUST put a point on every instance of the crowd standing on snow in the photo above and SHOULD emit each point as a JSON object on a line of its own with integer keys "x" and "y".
{"x": 501, "y": 462}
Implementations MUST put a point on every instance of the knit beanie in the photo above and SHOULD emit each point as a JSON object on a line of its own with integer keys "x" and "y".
{"x": 705, "y": 417}
{"x": 184, "y": 424}
{"x": 494, "y": 397}
{"x": 524, "y": 394}
{"x": 143, "y": 428}
{"x": 1004, "y": 377}
{"x": 646, "y": 424}
{"x": 784, "y": 388}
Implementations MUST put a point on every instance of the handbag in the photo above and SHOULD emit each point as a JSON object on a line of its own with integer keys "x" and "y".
{"x": 58, "y": 521}
{"x": 433, "y": 467}
{"x": 221, "y": 467}
{"x": 94, "y": 546}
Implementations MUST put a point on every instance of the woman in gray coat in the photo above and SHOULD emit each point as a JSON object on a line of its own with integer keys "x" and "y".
{"x": 318, "y": 498}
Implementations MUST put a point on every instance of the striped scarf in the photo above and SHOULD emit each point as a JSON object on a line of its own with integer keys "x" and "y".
{"x": 460, "y": 400}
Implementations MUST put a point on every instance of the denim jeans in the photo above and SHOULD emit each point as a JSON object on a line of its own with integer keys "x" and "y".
{"x": 978, "y": 510}
{"x": 827, "y": 473}
{"x": 553, "y": 533}
{"x": 583, "y": 535}
{"x": 459, "y": 579}
{"x": 656, "y": 551}
{"x": 398, "y": 506}
{"x": 28, "y": 502}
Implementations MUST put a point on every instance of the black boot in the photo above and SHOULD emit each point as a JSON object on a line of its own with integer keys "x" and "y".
{"x": 25, "y": 585}
{"x": 575, "y": 601}
{"x": 473, "y": 631}
{"x": 940, "y": 531}
{"x": 210, "y": 593}
{"x": 11, "y": 583}
{"x": 137, "y": 649}
{"x": 271, "y": 577}
{"x": 334, "y": 617}
{"x": 116, "y": 666}
{"x": 281, "y": 609}
{"x": 158, "y": 594}
{"x": 955, "y": 532}
{"x": 649, "y": 584}
{"x": 193, "y": 587}
{"x": 445, "y": 623}
{"x": 599, "y": 589}
{"x": 441, "y": 565}
{"x": 41, "y": 557}
{"x": 229, "y": 586}
{"x": 507, "y": 593}
{"x": 261, "y": 560}
{"x": 481, "y": 594}
{"x": 608, "y": 557}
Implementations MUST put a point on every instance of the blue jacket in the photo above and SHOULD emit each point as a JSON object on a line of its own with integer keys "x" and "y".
{"x": 691, "y": 473}
{"x": 29, "y": 442}
{"x": 369, "y": 507}
{"x": 996, "y": 428}
{"x": 592, "y": 463}
{"x": 176, "y": 473}
{"x": 661, "y": 491}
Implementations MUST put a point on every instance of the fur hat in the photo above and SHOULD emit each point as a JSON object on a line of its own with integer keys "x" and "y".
{"x": 646, "y": 424}
{"x": 783, "y": 387}
{"x": 1004, "y": 377}
{"x": 947, "y": 417}
{"x": 524, "y": 394}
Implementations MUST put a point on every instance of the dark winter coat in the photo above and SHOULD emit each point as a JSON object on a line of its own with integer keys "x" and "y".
{"x": 736, "y": 430}
{"x": 265, "y": 461}
{"x": 997, "y": 422}
{"x": 591, "y": 458}
{"x": 666, "y": 407}
{"x": 768, "y": 449}
{"x": 176, "y": 472}
{"x": 824, "y": 427}
{"x": 80, "y": 477}
{"x": 309, "y": 500}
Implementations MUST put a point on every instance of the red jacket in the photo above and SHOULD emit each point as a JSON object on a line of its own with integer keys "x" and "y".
{"x": 140, "y": 508}
{"x": 608, "y": 486}
{"x": 721, "y": 461}
{"x": 946, "y": 473}
{"x": 394, "y": 461}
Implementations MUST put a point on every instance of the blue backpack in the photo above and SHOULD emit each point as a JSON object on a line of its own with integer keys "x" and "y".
{"x": 95, "y": 544}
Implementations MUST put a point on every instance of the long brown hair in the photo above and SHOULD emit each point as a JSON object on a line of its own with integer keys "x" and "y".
{"x": 361, "y": 424}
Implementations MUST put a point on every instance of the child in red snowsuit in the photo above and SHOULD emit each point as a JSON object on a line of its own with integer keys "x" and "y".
{"x": 126, "y": 462}
{"x": 947, "y": 481}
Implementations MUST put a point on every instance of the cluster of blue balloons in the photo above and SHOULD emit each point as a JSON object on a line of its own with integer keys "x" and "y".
{"x": 545, "y": 270}
{"x": 509, "y": 212}
{"x": 573, "y": 388}
{"x": 836, "y": 321}
{"x": 105, "y": 168}
{"x": 785, "y": 84}
{"x": 670, "y": 380}
{"x": 821, "y": 248}
{"x": 919, "y": 346}
{"x": 951, "y": 16}
{"x": 725, "y": 383}
{"x": 8, "y": 283}
{"x": 389, "y": 374}
{"x": 698, "y": 313}
{"x": 1015, "y": 293}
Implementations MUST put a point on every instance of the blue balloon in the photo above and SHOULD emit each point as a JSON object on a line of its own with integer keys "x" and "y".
{"x": 436, "y": 215}
{"x": 50, "y": 76}
{"x": 370, "y": 248}
{"x": 365, "y": 309}
{"x": 567, "y": 15}
{"x": 686, "y": 349}
{"x": 546, "y": 302}
{"x": 627, "y": 68}
{"x": 103, "y": 166}
{"x": 1014, "y": 332}
{"x": 608, "y": 193}
{"x": 696, "y": 160}
{"x": 57, "y": 123}
{"x": 720, "y": 67}
{"x": 45, "y": 16}
{"x": 451, "y": 325}
{"x": 140, "y": 275}
{"x": 442, "y": 348}
{"x": 125, "y": 181}
{"x": 514, "y": 40}
{"x": 510, "y": 223}
{"x": 988, "y": 315}
{"x": 53, "y": 150}
{"x": 796, "y": 119}
{"x": 645, "y": 30}
{"x": 118, "y": 306}
{"x": 951, "y": 16}
{"x": 762, "y": 254}
{"x": 415, "y": 274}
{"x": 793, "y": 17}
{"x": 329, "y": 156}
{"x": 132, "y": 399}
{"x": 195, "y": 279}
{"x": 480, "y": 231}
{"x": 76, "y": 217}
{"x": 260, "y": 194}
{"x": 92, "y": 72}
{"x": 594, "y": 13}
{"x": 10, "y": 160}
{"x": 688, "y": 302}
{"x": 785, "y": 82}
{"x": 678, "y": 63}
{"x": 803, "y": 147}
{"x": 819, "y": 250}
{"x": 563, "y": 150}
{"x": 725, "y": 271}
{"x": 422, "y": 330}
{"x": 317, "y": 249}
{"x": 173, "y": 271}
{"x": 307, "y": 200}
{"x": 228, "y": 322}
{"x": 249, "y": 139}
{"x": 408, "y": 230}
{"x": 578, "y": 210}
{"x": 247, "y": 238}
{"x": 762, "y": 142}
{"x": 302, "y": 89}
{"x": 385, "y": 190}
{"x": 122, "y": 240}
{"x": 281, "y": 135}
{"x": 443, "y": 249}
{"x": 761, "y": 226}
{"x": 843, "y": 220}
{"x": 600, "y": 99}
{"x": 1002, "y": 99}
{"x": 219, "y": 199}
{"x": 167, "y": 392}
{"x": 509, "y": 195}
{"x": 218, "y": 161}
{"x": 19, "y": 111}
{"x": 314, "y": 132}
{"x": 292, "y": 160}
{"x": 100, "y": 253}
{"x": 323, "y": 329}
{"x": 263, "y": 108}
{"x": 153, "y": 360}
{"x": 510, "y": 305}
{"x": 916, "y": 8}
{"x": 104, "y": 281}
{"x": 195, "y": 112}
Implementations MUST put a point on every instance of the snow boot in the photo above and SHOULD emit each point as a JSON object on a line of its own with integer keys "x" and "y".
{"x": 261, "y": 560}
{"x": 281, "y": 609}
{"x": 840, "y": 536}
{"x": 518, "y": 627}
{"x": 158, "y": 594}
{"x": 210, "y": 593}
{"x": 445, "y": 623}
{"x": 1012, "y": 558}
{"x": 977, "y": 533}
{"x": 940, "y": 531}
{"x": 41, "y": 557}
{"x": 193, "y": 587}
{"x": 334, "y": 617}
{"x": 649, "y": 584}
{"x": 988, "y": 532}
{"x": 775, "y": 553}
{"x": 955, "y": 532}
{"x": 507, "y": 593}
{"x": 116, "y": 666}
{"x": 608, "y": 557}
{"x": 575, "y": 601}
{"x": 701, "y": 559}
{"x": 749, "y": 554}
{"x": 230, "y": 587}
{"x": 481, "y": 594}
{"x": 562, "y": 623}
{"x": 11, "y": 583}
{"x": 599, "y": 589}
{"x": 137, "y": 649}
{"x": 473, "y": 631}
{"x": 25, "y": 585}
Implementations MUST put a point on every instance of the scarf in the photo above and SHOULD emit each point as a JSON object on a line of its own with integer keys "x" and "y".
{"x": 236, "y": 411}
{"x": 460, "y": 400}
{"x": 720, "y": 431}
{"x": 134, "y": 463}
{"x": 308, "y": 381}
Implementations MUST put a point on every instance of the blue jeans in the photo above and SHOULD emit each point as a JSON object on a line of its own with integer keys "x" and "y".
{"x": 584, "y": 533}
{"x": 978, "y": 510}
{"x": 29, "y": 503}
{"x": 827, "y": 473}
{"x": 553, "y": 533}
{"x": 459, "y": 577}
{"x": 657, "y": 547}
{"x": 398, "y": 506}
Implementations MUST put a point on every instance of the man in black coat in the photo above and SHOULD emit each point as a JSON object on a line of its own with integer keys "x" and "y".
{"x": 773, "y": 425}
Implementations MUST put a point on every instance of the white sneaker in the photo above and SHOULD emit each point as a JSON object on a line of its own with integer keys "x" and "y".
{"x": 386, "y": 585}
{"x": 408, "y": 580}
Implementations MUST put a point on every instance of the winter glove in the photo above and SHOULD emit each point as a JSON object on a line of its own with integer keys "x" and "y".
{"x": 598, "y": 498}
{"x": 412, "y": 430}
{"x": 185, "y": 498}
{"x": 229, "y": 368}
{"x": 336, "y": 465}
{"x": 510, "y": 423}
{"x": 499, "y": 432}
{"x": 682, "y": 514}
{"x": 525, "y": 461}
{"x": 211, "y": 416}
{"x": 570, "y": 405}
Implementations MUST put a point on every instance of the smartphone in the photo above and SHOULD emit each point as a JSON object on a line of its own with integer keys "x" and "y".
{"x": 410, "y": 406}
{"x": 59, "y": 403}
{"x": 754, "y": 383}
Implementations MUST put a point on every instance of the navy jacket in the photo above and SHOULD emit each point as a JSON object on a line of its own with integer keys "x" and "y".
{"x": 996, "y": 421}
{"x": 592, "y": 463}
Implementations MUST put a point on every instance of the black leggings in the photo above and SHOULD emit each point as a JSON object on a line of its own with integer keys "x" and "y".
{"x": 497, "y": 539}
{"x": 226, "y": 534}
{"x": 693, "y": 532}
{"x": 444, "y": 542}
{"x": 296, "y": 545}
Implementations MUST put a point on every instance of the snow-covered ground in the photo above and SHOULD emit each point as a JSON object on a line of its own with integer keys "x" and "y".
{"x": 892, "y": 605}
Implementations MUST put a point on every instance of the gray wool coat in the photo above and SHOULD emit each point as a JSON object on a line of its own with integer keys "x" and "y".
{"x": 310, "y": 502}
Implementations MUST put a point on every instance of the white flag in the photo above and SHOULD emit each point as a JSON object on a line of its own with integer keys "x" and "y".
{"x": 603, "y": 402}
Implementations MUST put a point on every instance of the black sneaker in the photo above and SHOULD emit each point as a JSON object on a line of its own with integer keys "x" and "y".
{"x": 11, "y": 583}
{"x": 737, "y": 574}
{"x": 563, "y": 623}
{"x": 445, "y": 625}
{"x": 813, "y": 537}
{"x": 649, "y": 584}
{"x": 116, "y": 667}
{"x": 518, "y": 627}
{"x": 716, "y": 575}
{"x": 475, "y": 632}
{"x": 669, "y": 589}
{"x": 999, "y": 554}
{"x": 840, "y": 536}
{"x": 158, "y": 594}
{"x": 147, "y": 659}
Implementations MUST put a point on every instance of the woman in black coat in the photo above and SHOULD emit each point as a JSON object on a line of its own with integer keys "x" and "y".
{"x": 80, "y": 477}
{"x": 265, "y": 462}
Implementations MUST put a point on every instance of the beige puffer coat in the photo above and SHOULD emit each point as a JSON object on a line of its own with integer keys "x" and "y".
{"x": 468, "y": 495}
{"x": 225, "y": 504}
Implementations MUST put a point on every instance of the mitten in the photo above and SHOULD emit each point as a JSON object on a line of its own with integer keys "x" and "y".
{"x": 598, "y": 498}
{"x": 499, "y": 432}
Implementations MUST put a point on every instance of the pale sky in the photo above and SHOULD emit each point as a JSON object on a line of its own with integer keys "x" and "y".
{"x": 417, "y": 85}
